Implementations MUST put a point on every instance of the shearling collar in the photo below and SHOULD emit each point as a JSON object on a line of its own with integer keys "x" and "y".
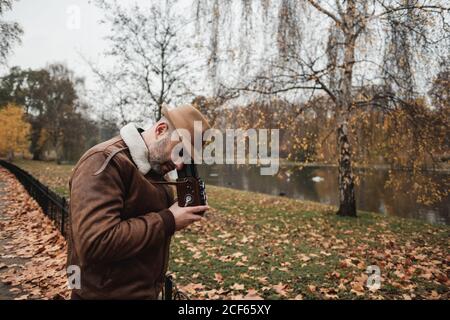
{"x": 136, "y": 145}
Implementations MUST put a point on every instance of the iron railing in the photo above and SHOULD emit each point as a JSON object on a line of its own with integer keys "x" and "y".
{"x": 57, "y": 209}
{"x": 53, "y": 205}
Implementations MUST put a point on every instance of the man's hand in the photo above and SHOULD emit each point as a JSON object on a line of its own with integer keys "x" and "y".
{"x": 184, "y": 216}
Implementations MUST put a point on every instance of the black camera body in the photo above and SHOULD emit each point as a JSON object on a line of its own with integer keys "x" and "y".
{"x": 190, "y": 188}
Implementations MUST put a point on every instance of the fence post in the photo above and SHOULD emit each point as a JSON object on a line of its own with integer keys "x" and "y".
{"x": 45, "y": 203}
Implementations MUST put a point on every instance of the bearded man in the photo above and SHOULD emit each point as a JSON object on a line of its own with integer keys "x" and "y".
{"x": 121, "y": 218}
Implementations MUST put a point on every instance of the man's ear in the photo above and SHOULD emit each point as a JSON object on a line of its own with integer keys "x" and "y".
{"x": 161, "y": 129}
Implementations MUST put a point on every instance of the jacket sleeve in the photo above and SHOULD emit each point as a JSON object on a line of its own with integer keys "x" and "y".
{"x": 99, "y": 235}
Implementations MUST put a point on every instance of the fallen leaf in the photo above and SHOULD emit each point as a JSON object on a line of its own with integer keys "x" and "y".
{"x": 237, "y": 286}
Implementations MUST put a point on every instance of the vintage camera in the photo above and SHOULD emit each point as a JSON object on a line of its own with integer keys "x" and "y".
{"x": 190, "y": 188}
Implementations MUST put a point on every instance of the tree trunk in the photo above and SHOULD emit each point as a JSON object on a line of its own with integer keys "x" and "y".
{"x": 35, "y": 146}
{"x": 59, "y": 149}
{"x": 10, "y": 156}
{"x": 347, "y": 202}
{"x": 37, "y": 155}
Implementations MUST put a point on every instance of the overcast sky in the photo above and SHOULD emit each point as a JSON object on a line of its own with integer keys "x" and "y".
{"x": 65, "y": 30}
{"x": 57, "y": 31}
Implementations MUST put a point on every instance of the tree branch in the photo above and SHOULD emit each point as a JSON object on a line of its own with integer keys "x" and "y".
{"x": 325, "y": 11}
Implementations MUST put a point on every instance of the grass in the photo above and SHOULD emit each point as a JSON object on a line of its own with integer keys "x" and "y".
{"x": 254, "y": 245}
{"x": 54, "y": 176}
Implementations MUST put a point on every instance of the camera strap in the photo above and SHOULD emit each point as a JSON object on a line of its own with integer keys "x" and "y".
{"x": 166, "y": 182}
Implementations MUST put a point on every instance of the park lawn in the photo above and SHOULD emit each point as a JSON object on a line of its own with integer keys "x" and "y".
{"x": 252, "y": 245}
{"x": 56, "y": 177}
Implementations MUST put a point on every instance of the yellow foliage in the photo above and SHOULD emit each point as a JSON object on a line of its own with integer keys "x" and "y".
{"x": 14, "y": 130}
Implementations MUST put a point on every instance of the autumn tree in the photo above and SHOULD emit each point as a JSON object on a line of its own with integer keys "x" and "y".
{"x": 440, "y": 88}
{"x": 333, "y": 48}
{"x": 14, "y": 131}
{"x": 27, "y": 88}
{"x": 440, "y": 97}
{"x": 53, "y": 107}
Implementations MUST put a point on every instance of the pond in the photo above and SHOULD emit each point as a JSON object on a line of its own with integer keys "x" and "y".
{"x": 320, "y": 184}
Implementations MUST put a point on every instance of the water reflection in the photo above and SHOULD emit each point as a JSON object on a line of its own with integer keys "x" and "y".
{"x": 320, "y": 184}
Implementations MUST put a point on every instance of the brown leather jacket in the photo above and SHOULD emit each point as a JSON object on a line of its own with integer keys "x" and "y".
{"x": 120, "y": 226}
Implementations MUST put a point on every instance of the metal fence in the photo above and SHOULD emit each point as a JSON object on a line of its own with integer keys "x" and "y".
{"x": 53, "y": 205}
{"x": 57, "y": 208}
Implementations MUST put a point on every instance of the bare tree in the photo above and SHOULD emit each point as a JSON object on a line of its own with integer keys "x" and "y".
{"x": 10, "y": 32}
{"x": 337, "y": 47}
{"x": 150, "y": 64}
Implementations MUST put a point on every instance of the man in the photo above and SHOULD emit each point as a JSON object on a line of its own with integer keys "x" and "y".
{"x": 121, "y": 222}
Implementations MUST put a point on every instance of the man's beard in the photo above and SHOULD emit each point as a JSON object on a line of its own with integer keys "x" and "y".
{"x": 157, "y": 154}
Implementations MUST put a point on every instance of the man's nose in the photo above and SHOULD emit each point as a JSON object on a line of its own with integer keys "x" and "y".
{"x": 179, "y": 166}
